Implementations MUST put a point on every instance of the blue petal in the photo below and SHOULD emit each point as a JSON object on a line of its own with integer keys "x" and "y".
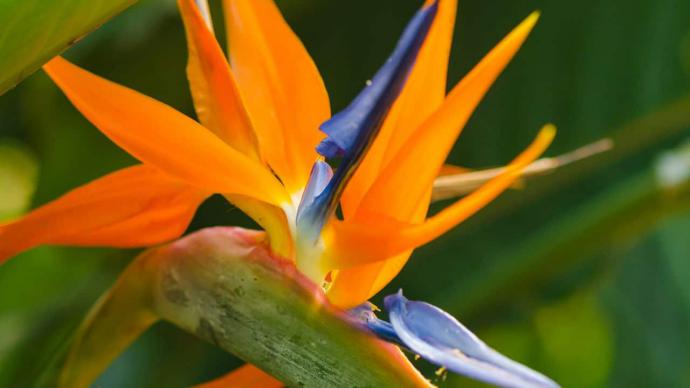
{"x": 364, "y": 315}
{"x": 352, "y": 130}
{"x": 321, "y": 174}
{"x": 439, "y": 338}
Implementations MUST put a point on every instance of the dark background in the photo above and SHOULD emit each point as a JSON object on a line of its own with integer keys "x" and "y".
{"x": 582, "y": 274}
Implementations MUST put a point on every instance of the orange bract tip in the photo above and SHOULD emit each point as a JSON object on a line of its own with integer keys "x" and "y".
{"x": 449, "y": 169}
{"x": 163, "y": 137}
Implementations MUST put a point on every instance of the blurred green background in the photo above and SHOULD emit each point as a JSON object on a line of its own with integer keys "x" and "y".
{"x": 584, "y": 274}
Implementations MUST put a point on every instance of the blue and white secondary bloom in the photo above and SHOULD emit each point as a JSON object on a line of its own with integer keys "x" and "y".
{"x": 440, "y": 339}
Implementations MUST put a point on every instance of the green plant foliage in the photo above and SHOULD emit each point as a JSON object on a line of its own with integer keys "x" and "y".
{"x": 33, "y": 31}
{"x": 18, "y": 173}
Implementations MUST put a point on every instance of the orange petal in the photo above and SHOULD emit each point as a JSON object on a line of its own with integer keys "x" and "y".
{"x": 354, "y": 286}
{"x": 424, "y": 153}
{"x": 134, "y": 207}
{"x": 216, "y": 96}
{"x": 159, "y": 135}
{"x": 247, "y": 376}
{"x": 355, "y": 243}
{"x": 423, "y": 94}
{"x": 281, "y": 86}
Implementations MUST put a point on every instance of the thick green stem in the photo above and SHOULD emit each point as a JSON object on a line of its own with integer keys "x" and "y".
{"x": 267, "y": 313}
{"x": 224, "y": 286}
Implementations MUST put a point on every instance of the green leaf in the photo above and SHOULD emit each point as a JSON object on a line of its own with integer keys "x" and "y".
{"x": 222, "y": 285}
{"x": 576, "y": 331}
{"x": 33, "y": 31}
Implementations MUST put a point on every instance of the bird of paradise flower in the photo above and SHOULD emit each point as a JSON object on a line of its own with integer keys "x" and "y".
{"x": 258, "y": 144}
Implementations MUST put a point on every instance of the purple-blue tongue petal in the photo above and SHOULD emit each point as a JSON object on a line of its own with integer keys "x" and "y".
{"x": 352, "y": 130}
{"x": 321, "y": 174}
{"x": 364, "y": 314}
{"x": 441, "y": 339}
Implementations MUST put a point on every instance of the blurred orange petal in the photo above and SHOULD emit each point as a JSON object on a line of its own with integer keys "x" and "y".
{"x": 423, "y": 94}
{"x": 159, "y": 135}
{"x": 216, "y": 96}
{"x": 281, "y": 86}
{"x": 247, "y": 376}
{"x": 134, "y": 207}
{"x": 356, "y": 243}
{"x": 449, "y": 169}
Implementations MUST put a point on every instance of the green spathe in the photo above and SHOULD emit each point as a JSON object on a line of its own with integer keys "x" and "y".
{"x": 223, "y": 285}
{"x": 33, "y": 31}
